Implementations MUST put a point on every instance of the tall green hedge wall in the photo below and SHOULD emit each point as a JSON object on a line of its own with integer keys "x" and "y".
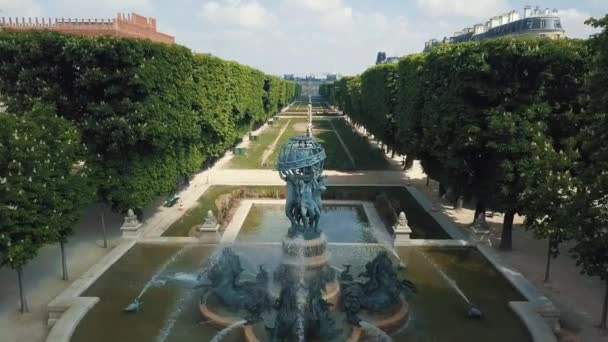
{"x": 149, "y": 113}
{"x": 449, "y": 107}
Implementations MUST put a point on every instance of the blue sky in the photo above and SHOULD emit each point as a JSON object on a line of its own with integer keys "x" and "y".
{"x": 308, "y": 36}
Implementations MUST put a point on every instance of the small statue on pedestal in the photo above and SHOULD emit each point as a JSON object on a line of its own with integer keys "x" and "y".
{"x": 130, "y": 225}
{"x": 210, "y": 224}
{"x": 402, "y": 228}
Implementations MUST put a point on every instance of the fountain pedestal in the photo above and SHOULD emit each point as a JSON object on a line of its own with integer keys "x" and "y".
{"x": 308, "y": 259}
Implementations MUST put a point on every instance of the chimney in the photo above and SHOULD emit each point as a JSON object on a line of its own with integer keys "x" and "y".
{"x": 527, "y": 12}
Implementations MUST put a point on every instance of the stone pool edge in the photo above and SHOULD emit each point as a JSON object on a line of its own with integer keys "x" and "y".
{"x": 236, "y": 223}
{"x": 67, "y": 309}
{"x": 538, "y": 313}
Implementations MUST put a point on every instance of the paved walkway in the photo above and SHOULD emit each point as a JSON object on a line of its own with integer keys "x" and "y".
{"x": 271, "y": 177}
{"x": 272, "y": 146}
{"x": 42, "y": 276}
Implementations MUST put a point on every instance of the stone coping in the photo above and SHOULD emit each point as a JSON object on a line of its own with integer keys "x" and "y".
{"x": 233, "y": 228}
{"x": 538, "y": 313}
{"x": 319, "y": 117}
{"x": 443, "y": 221}
{"x": 537, "y": 327}
{"x": 64, "y": 328}
{"x": 68, "y": 308}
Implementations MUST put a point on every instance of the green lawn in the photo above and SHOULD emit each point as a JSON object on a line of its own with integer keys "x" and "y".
{"x": 366, "y": 157}
{"x": 337, "y": 158}
{"x": 296, "y": 127}
{"x": 253, "y": 157}
{"x": 196, "y": 215}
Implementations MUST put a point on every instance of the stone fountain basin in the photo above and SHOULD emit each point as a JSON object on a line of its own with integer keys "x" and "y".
{"x": 439, "y": 312}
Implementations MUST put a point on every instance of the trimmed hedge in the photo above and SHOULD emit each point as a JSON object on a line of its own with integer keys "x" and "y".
{"x": 478, "y": 115}
{"x": 149, "y": 113}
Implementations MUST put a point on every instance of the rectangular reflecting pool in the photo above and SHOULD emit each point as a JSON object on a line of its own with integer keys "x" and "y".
{"x": 340, "y": 223}
{"x": 164, "y": 276}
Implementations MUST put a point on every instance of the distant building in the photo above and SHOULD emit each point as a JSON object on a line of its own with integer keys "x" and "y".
{"x": 124, "y": 25}
{"x": 535, "y": 23}
{"x": 289, "y": 77}
{"x": 382, "y": 59}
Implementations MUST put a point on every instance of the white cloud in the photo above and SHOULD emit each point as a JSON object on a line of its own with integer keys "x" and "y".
{"x": 317, "y": 5}
{"x": 463, "y": 8}
{"x": 20, "y": 8}
{"x": 237, "y": 14}
{"x": 322, "y": 14}
{"x": 573, "y": 21}
{"x": 303, "y": 35}
{"x": 99, "y": 9}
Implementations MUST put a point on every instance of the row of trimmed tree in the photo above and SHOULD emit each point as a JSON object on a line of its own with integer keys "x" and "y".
{"x": 518, "y": 126}
{"x": 114, "y": 120}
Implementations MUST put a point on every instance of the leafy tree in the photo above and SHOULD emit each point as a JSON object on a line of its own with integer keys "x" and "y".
{"x": 409, "y": 105}
{"x": 588, "y": 209}
{"x": 548, "y": 192}
{"x": 469, "y": 86}
{"x": 41, "y": 176}
{"x": 379, "y": 103}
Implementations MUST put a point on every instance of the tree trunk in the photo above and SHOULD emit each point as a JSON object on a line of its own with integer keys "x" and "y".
{"x": 103, "y": 228}
{"x": 442, "y": 190}
{"x": 24, "y": 307}
{"x": 506, "y": 239}
{"x": 64, "y": 264}
{"x": 428, "y": 181}
{"x": 480, "y": 207}
{"x": 409, "y": 161}
{"x": 392, "y": 154}
{"x": 604, "y": 319}
{"x": 459, "y": 203}
{"x": 548, "y": 266}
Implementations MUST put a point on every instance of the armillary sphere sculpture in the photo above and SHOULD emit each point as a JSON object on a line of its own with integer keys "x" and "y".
{"x": 300, "y": 165}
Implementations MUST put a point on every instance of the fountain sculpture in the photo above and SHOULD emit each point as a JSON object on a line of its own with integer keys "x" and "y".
{"x": 305, "y": 289}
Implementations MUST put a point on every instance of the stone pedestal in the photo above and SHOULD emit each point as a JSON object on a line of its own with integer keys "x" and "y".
{"x": 130, "y": 227}
{"x": 210, "y": 224}
{"x": 310, "y": 260}
{"x": 402, "y": 229}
